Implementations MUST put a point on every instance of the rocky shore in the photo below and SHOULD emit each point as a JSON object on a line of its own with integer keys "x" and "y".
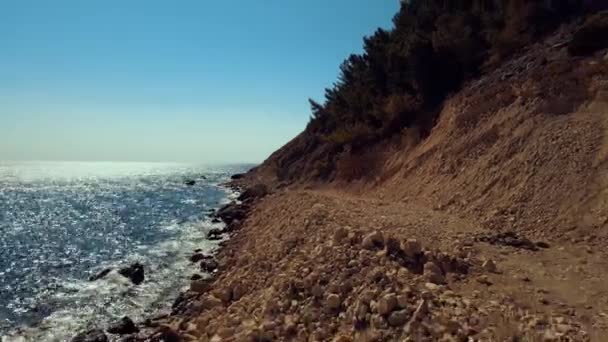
{"x": 305, "y": 265}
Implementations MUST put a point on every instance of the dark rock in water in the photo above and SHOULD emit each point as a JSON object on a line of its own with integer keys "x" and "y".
{"x": 198, "y": 250}
{"x": 95, "y": 335}
{"x": 233, "y": 226}
{"x": 124, "y": 327}
{"x": 190, "y": 182}
{"x": 199, "y": 256}
{"x": 204, "y": 177}
{"x": 216, "y": 220}
{"x": 215, "y": 234}
{"x": 166, "y": 335}
{"x": 209, "y": 265}
{"x": 237, "y": 176}
{"x": 254, "y": 192}
{"x": 100, "y": 275}
{"x": 134, "y": 272}
{"x": 196, "y": 276}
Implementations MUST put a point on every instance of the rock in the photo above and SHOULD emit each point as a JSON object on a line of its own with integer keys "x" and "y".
{"x": 100, "y": 275}
{"x": 361, "y": 311}
{"x": 196, "y": 276}
{"x": 342, "y": 338}
{"x": 135, "y": 273}
{"x": 210, "y": 302}
{"x": 95, "y": 335}
{"x": 373, "y": 241}
{"x": 333, "y": 301}
{"x": 209, "y": 265}
{"x": 124, "y": 327}
{"x": 231, "y": 212}
{"x": 411, "y": 248}
{"x": 215, "y": 234}
{"x": 340, "y": 235}
{"x": 433, "y": 273}
{"x": 542, "y": 244}
{"x": 398, "y": 318}
{"x": 255, "y": 192}
{"x": 190, "y": 182}
{"x": 238, "y": 290}
{"x": 489, "y": 266}
{"x": 393, "y": 246}
{"x": 237, "y": 176}
{"x": 200, "y": 286}
{"x": 199, "y": 256}
{"x": 484, "y": 280}
{"x": 387, "y": 304}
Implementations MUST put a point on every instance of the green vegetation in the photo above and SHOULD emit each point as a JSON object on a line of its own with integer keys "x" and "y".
{"x": 435, "y": 45}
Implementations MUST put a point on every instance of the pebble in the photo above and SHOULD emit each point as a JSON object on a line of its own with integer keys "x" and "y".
{"x": 387, "y": 304}
{"x": 333, "y": 301}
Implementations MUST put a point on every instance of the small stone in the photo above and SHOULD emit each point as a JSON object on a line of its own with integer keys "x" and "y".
{"x": 392, "y": 245}
{"x": 489, "y": 266}
{"x": 387, "y": 304}
{"x": 333, "y": 302}
{"x": 484, "y": 280}
{"x": 411, "y": 247}
{"x": 398, "y": 318}
{"x": 402, "y": 301}
{"x": 340, "y": 235}
{"x": 210, "y": 302}
{"x": 373, "y": 241}
{"x": 199, "y": 286}
{"x": 432, "y": 286}
{"x": 361, "y": 310}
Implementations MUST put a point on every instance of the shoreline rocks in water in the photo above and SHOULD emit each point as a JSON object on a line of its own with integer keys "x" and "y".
{"x": 134, "y": 272}
{"x": 125, "y": 326}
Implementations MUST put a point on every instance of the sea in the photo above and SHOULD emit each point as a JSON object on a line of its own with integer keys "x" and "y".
{"x": 62, "y": 222}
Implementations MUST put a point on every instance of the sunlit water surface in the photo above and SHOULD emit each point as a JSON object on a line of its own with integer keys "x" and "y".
{"x": 62, "y": 222}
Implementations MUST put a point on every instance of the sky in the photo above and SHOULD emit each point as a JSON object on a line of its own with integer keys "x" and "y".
{"x": 183, "y": 81}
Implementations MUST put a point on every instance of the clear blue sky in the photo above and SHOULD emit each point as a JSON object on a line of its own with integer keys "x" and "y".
{"x": 147, "y": 80}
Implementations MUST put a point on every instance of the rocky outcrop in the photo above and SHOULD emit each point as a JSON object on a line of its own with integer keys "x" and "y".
{"x": 254, "y": 192}
{"x": 134, "y": 272}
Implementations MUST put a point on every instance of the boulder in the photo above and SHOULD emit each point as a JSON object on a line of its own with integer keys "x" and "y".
{"x": 95, "y": 335}
{"x": 209, "y": 265}
{"x": 196, "y": 257}
{"x": 237, "y": 176}
{"x": 215, "y": 234}
{"x": 124, "y": 327}
{"x": 134, "y": 272}
{"x": 190, "y": 182}
{"x": 255, "y": 192}
{"x": 100, "y": 275}
{"x": 232, "y": 212}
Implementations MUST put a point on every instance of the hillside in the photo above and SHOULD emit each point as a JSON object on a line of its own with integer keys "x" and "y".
{"x": 459, "y": 198}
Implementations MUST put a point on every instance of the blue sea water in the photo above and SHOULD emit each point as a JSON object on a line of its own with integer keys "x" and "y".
{"x": 62, "y": 222}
